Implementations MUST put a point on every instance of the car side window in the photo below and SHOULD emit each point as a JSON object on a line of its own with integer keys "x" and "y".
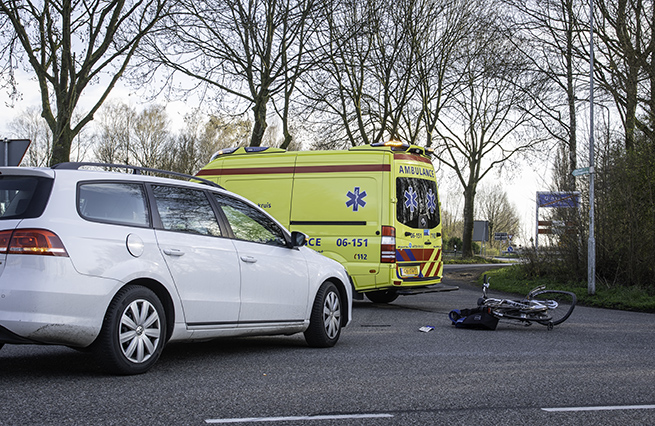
{"x": 185, "y": 210}
{"x": 250, "y": 224}
{"x": 113, "y": 202}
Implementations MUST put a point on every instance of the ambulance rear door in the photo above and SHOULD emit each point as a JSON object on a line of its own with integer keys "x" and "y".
{"x": 417, "y": 221}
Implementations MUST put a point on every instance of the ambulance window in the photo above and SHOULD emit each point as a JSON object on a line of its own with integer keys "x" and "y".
{"x": 250, "y": 224}
{"x": 418, "y": 204}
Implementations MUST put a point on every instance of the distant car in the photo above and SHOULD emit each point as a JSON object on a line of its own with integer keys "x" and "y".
{"x": 123, "y": 263}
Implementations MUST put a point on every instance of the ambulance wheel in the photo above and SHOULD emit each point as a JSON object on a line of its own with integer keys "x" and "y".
{"x": 382, "y": 296}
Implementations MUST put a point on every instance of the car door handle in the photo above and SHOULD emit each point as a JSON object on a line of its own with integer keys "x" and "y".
{"x": 173, "y": 252}
{"x": 248, "y": 259}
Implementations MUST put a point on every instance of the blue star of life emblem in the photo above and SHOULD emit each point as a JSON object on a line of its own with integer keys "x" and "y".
{"x": 356, "y": 199}
{"x": 432, "y": 204}
{"x": 411, "y": 200}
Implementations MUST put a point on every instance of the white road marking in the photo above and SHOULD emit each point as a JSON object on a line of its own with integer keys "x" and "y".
{"x": 296, "y": 418}
{"x": 601, "y": 408}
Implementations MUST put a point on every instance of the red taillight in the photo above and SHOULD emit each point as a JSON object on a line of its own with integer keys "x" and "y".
{"x": 388, "y": 245}
{"x": 31, "y": 241}
{"x": 5, "y": 237}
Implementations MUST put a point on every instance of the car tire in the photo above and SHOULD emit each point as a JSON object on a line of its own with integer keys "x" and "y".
{"x": 382, "y": 296}
{"x": 133, "y": 332}
{"x": 326, "y": 318}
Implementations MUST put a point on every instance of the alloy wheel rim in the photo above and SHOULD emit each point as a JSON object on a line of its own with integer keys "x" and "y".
{"x": 140, "y": 331}
{"x": 332, "y": 315}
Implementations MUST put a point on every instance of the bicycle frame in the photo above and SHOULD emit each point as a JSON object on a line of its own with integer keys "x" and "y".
{"x": 530, "y": 309}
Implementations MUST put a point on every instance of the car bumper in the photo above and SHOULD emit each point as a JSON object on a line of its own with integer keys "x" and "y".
{"x": 44, "y": 300}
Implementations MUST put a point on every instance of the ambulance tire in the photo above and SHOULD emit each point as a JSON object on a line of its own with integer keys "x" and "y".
{"x": 382, "y": 296}
{"x": 325, "y": 320}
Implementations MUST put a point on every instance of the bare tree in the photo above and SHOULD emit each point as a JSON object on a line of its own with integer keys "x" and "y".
{"x": 492, "y": 205}
{"x": 125, "y": 135}
{"x": 201, "y": 137}
{"x": 392, "y": 66}
{"x": 30, "y": 125}
{"x": 251, "y": 51}
{"x": 438, "y": 29}
{"x": 624, "y": 65}
{"x": 365, "y": 80}
{"x": 224, "y": 132}
{"x": 386, "y": 69}
{"x": 151, "y": 134}
{"x": 335, "y": 90}
{"x": 549, "y": 37}
{"x": 70, "y": 45}
{"x": 10, "y": 62}
{"x": 451, "y": 219}
{"x": 113, "y": 133}
{"x": 479, "y": 129}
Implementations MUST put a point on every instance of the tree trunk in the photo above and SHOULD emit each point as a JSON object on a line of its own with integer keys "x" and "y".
{"x": 62, "y": 139}
{"x": 630, "y": 56}
{"x": 469, "y": 200}
{"x": 260, "y": 120}
{"x": 631, "y": 106}
{"x": 288, "y": 138}
{"x": 570, "y": 95}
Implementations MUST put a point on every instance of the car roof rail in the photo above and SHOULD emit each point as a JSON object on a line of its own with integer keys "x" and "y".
{"x": 137, "y": 170}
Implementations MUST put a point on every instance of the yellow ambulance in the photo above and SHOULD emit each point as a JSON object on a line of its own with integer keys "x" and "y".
{"x": 373, "y": 208}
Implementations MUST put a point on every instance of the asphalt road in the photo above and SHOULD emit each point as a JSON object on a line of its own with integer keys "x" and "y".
{"x": 596, "y": 368}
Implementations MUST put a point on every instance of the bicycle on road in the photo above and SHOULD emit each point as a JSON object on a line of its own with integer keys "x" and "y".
{"x": 545, "y": 307}
{"x": 541, "y": 306}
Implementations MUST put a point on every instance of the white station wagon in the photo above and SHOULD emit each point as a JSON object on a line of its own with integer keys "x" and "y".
{"x": 123, "y": 263}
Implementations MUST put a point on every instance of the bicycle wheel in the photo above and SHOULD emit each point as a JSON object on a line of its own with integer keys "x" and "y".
{"x": 565, "y": 303}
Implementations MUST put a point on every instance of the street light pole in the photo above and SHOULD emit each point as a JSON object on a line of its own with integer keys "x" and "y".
{"x": 591, "y": 257}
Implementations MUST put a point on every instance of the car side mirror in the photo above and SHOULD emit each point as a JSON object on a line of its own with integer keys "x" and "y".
{"x": 298, "y": 239}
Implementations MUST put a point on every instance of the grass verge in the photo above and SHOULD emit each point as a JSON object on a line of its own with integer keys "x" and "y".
{"x": 512, "y": 279}
{"x": 469, "y": 260}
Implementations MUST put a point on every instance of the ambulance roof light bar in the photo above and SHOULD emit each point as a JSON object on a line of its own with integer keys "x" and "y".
{"x": 223, "y": 151}
{"x": 404, "y": 146}
{"x": 392, "y": 143}
{"x": 247, "y": 149}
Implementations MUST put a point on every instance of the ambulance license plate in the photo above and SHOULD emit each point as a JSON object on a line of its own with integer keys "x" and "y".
{"x": 408, "y": 271}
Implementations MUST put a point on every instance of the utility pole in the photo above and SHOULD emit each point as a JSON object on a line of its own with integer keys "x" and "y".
{"x": 591, "y": 258}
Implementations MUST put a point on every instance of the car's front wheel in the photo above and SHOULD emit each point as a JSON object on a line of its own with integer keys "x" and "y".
{"x": 325, "y": 321}
{"x": 133, "y": 333}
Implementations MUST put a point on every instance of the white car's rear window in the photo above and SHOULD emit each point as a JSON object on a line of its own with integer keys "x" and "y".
{"x": 23, "y": 197}
{"x": 114, "y": 202}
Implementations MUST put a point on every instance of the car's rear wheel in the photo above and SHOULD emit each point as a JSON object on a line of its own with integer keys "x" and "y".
{"x": 133, "y": 333}
{"x": 325, "y": 321}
